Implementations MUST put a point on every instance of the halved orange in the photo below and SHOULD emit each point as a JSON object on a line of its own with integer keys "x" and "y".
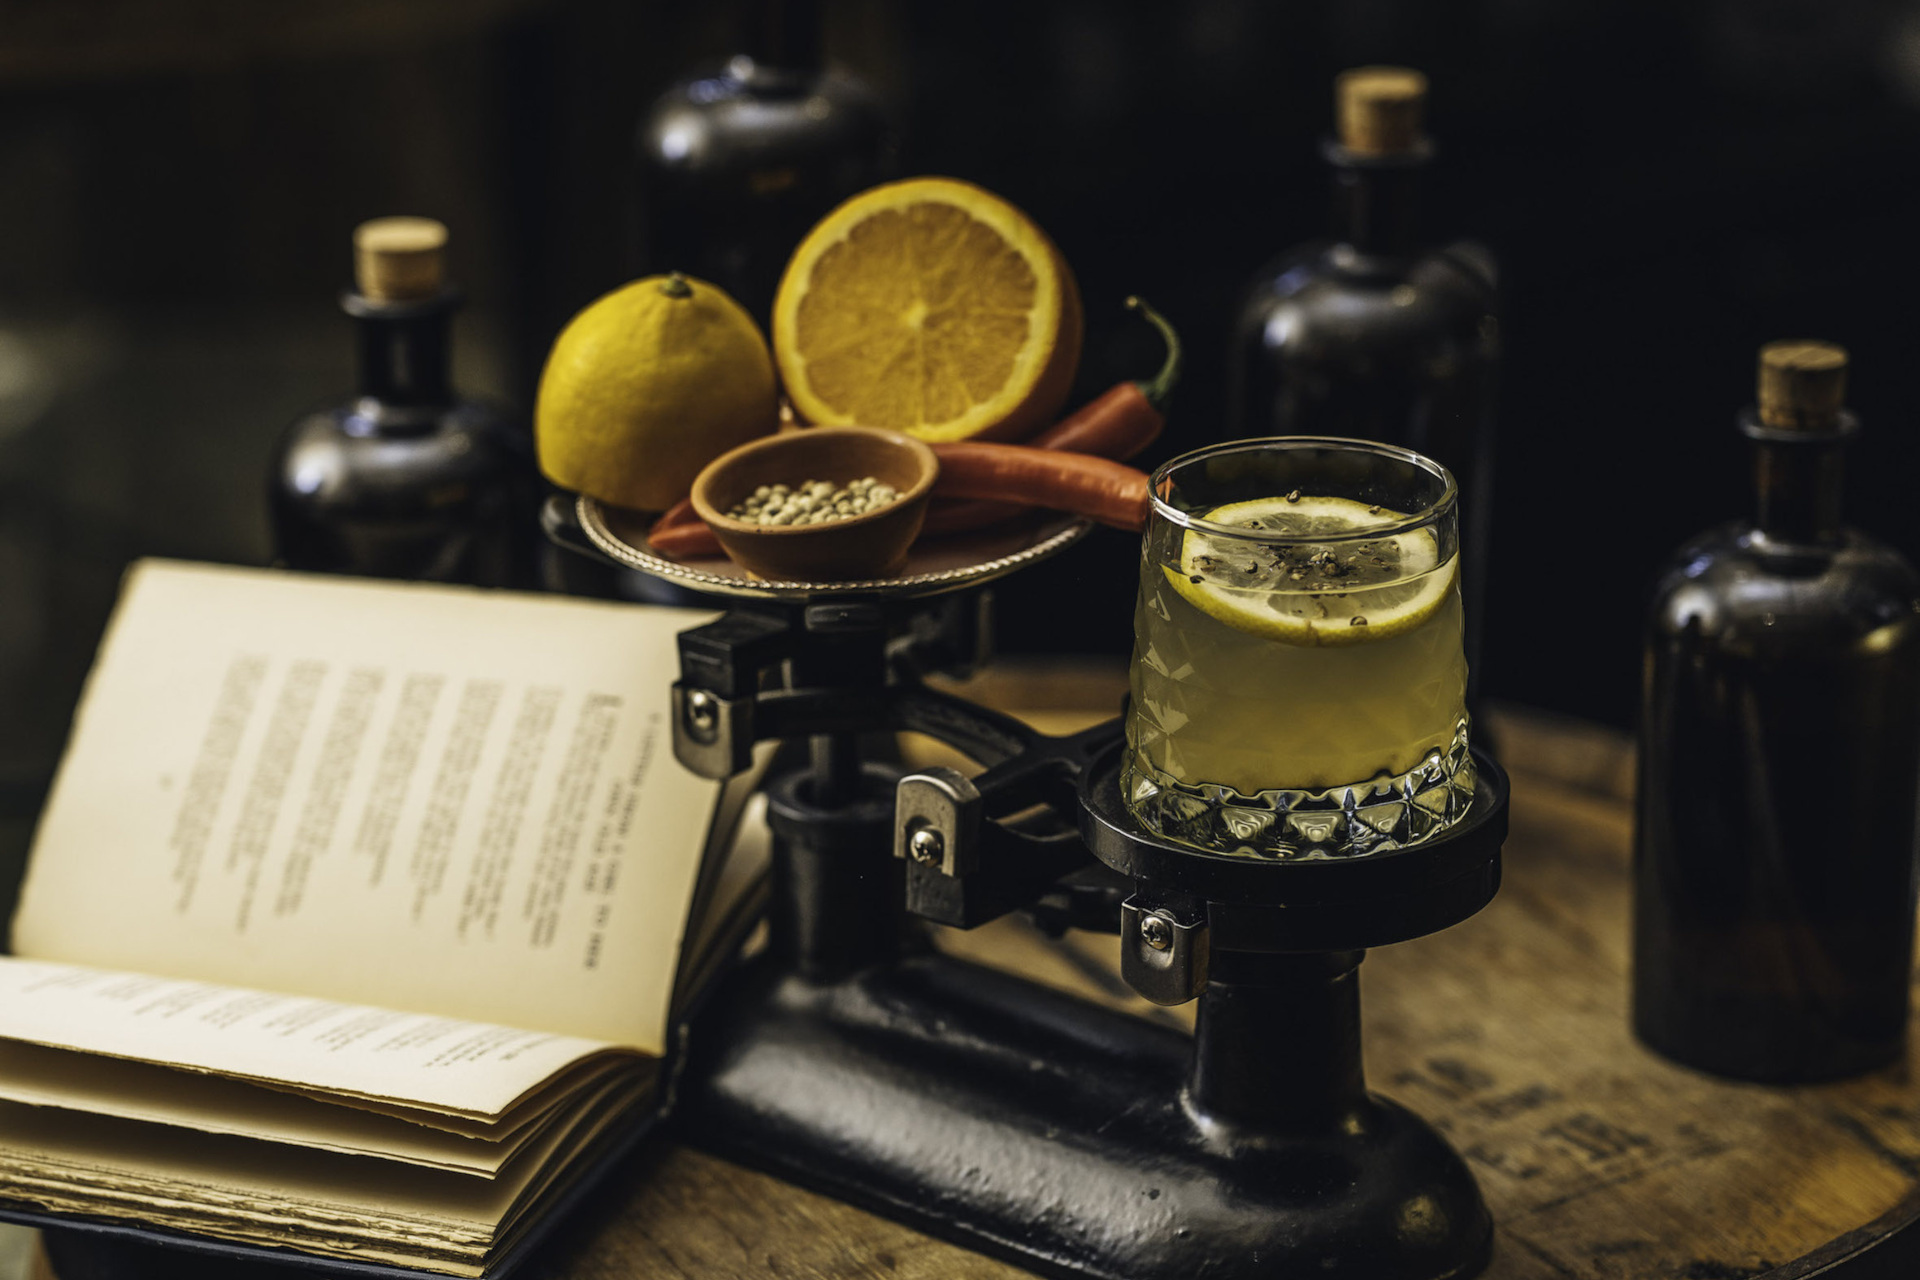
{"x": 930, "y": 306}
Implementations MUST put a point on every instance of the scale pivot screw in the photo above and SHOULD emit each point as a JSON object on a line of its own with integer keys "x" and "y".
{"x": 703, "y": 713}
{"x": 1156, "y": 932}
{"x": 928, "y": 847}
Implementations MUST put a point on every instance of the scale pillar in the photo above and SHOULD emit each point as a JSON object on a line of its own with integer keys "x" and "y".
{"x": 1276, "y": 1046}
{"x": 837, "y": 888}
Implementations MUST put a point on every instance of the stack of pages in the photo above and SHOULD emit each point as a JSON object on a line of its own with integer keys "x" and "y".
{"x": 359, "y": 915}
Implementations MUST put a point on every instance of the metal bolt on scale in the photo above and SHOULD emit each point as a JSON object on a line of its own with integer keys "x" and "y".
{"x": 1156, "y": 932}
{"x": 703, "y": 714}
{"x": 927, "y": 847}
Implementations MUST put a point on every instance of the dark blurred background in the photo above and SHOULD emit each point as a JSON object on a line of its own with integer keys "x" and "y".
{"x": 1667, "y": 184}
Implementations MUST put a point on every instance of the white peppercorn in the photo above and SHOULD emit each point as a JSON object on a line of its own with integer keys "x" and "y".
{"x": 813, "y": 502}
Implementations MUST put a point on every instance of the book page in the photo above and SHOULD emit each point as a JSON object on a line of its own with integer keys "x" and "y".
{"x": 418, "y": 797}
{"x": 421, "y": 1060}
{"x": 736, "y": 900}
{"x": 263, "y": 1193}
{"x": 130, "y": 1090}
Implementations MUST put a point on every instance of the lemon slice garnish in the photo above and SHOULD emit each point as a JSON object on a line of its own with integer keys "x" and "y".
{"x": 1346, "y": 591}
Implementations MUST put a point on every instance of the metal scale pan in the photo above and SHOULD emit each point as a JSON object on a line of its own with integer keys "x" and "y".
{"x": 934, "y": 565}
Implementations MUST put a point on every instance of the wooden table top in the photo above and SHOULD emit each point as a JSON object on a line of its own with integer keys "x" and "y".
{"x": 1508, "y": 1032}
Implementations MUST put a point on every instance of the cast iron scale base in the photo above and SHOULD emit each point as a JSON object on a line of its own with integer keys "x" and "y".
{"x": 851, "y": 1058}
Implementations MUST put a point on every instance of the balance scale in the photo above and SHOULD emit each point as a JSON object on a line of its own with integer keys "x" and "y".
{"x": 852, "y": 1058}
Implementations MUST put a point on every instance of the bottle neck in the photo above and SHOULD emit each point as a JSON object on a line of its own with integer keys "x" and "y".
{"x": 1376, "y": 205}
{"x": 403, "y": 357}
{"x": 1799, "y": 480}
{"x": 784, "y": 35}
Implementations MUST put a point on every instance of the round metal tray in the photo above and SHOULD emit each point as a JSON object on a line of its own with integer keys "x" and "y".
{"x": 935, "y": 565}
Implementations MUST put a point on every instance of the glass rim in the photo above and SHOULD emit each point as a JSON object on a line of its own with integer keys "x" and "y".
{"x": 1432, "y": 513}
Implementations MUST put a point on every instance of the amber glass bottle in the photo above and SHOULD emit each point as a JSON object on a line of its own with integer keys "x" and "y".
{"x": 405, "y": 478}
{"x": 1377, "y": 333}
{"x": 1779, "y": 758}
{"x": 736, "y": 165}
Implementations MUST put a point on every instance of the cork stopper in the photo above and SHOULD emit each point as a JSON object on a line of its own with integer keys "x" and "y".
{"x": 1381, "y": 110}
{"x": 399, "y": 259}
{"x": 1803, "y": 385}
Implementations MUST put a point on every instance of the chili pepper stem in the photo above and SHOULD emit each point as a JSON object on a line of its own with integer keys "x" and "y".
{"x": 1160, "y": 387}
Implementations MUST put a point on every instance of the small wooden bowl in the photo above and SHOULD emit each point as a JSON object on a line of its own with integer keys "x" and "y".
{"x": 873, "y": 545}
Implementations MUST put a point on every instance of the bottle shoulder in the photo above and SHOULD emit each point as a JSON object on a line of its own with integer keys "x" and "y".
{"x": 1325, "y": 289}
{"x": 340, "y": 452}
{"x": 1735, "y": 588}
{"x": 1463, "y": 272}
{"x": 720, "y": 122}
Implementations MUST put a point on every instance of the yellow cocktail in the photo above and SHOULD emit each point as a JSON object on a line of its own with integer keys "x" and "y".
{"x": 1298, "y": 681}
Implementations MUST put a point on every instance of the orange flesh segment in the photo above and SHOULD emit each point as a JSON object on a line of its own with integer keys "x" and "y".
{"x": 919, "y": 315}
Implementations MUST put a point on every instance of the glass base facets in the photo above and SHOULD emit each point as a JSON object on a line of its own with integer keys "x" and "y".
{"x": 1375, "y": 816}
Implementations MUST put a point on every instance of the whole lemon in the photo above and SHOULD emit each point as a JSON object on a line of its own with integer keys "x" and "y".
{"x": 646, "y": 386}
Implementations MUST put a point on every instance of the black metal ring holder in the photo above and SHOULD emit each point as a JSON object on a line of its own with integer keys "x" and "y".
{"x": 851, "y": 1057}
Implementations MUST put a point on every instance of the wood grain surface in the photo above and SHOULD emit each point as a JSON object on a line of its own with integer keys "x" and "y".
{"x": 1508, "y": 1032}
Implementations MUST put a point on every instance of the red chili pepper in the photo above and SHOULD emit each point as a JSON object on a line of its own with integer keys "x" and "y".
{"x": 1123, "y": 421}
{"x": 682, "y": 534}
{"x": 1098, "y": 488}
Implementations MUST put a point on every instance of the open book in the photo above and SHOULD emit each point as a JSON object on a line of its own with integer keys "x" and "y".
{"x": 359, "y": 915}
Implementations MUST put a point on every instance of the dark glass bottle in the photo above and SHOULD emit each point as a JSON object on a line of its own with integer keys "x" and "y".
{"x": 737, "y": 165}
{"x": 405, "y": 479}
{"x": 1779, "y": 761}
{"x": 1376, "y": 334}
